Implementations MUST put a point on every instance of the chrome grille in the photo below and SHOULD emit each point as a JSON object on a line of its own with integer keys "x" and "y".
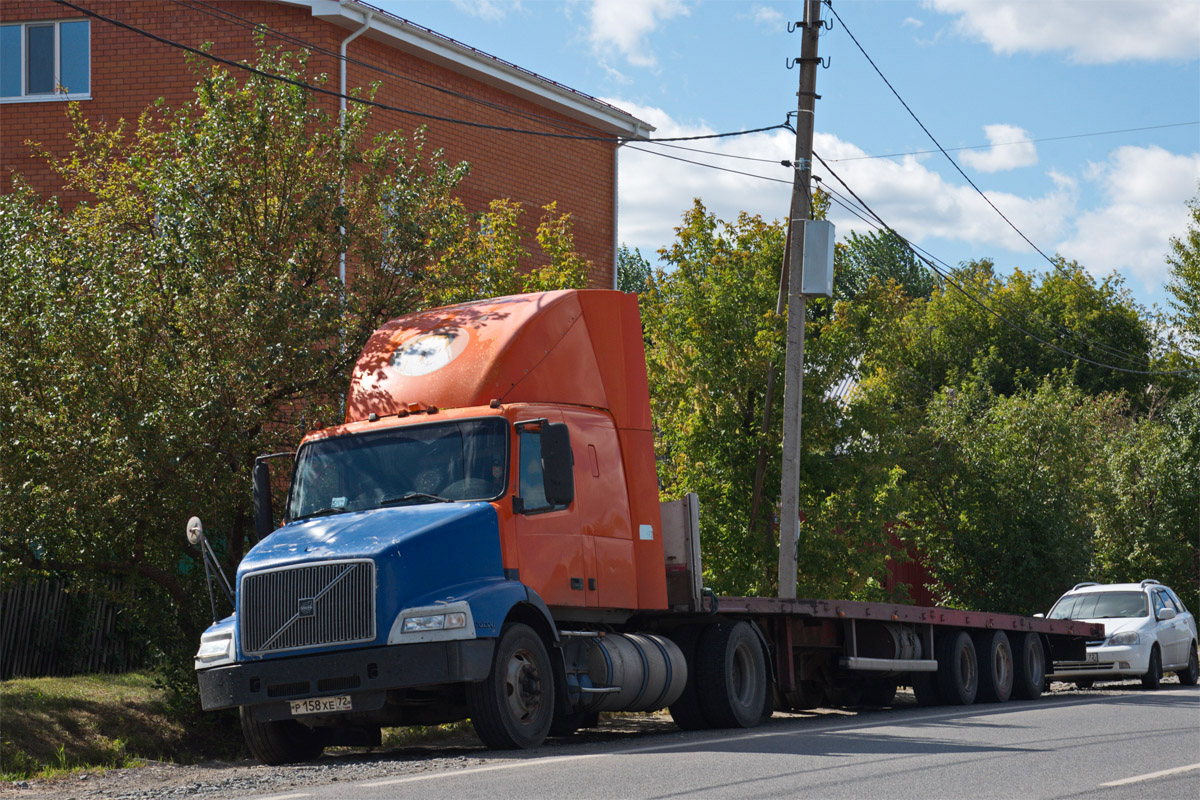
{"x": 317, "y": 604}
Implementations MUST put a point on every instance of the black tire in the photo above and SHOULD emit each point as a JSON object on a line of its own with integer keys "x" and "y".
{"x": 1084, "y": 683}
{"x": 1153, "y": 677}
{"x": 1189, "y": 676}
{"x": 958, "y": 669}
{"x": 995, "y": 666}
{"x": 686, "y": 710}
{"x": 879, "y": 694}
{"x": 925, "y": 688}
{"x": 281, "y": 742}
{"x": 1029, "y": 666}
{"x": 731, "y": 675}
{"x": 513, "y": 707}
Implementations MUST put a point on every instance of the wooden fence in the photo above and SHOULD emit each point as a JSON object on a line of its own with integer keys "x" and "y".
{"x": 46, "y": 630}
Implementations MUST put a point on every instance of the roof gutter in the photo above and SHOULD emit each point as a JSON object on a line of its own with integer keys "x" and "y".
{"x": 367, "y": 14}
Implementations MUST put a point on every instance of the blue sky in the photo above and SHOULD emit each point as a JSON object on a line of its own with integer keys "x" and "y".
{"x": 975, "y": 72}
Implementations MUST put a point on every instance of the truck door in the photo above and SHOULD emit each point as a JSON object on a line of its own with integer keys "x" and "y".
{"x": 603, "y": 508}
{"x": 550, "y": 547}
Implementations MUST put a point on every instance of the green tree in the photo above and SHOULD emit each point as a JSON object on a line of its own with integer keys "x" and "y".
{"x": 1184, "y": 284}
{"x": 633, "y": 270}
{"x": 189, "y": 316}
{"x": 881, "y": 255}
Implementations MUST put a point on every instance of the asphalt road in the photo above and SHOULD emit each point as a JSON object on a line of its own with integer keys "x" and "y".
{"x": 1131, "y": 744}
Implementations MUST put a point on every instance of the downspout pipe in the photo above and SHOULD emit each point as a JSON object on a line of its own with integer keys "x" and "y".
{"x": 616, "y": 211}
{"x": 367, "y": 15}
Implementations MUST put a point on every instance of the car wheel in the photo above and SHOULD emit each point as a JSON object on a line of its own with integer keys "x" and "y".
{"x": 280, "y": 742}
{"x": 1153, "y": 676}
{"x": 1189, "y": 676}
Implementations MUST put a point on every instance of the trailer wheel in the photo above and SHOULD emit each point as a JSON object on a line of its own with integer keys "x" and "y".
{"x": 995, "y": 666}
{"x": 958, "y": 669}
{"x": 513, "y": 707}
{"x": 1029, "y": 667}
{"x": 731, "y": 676}
{"x": 280, "y": 742}
{"x": 686, "y": 710}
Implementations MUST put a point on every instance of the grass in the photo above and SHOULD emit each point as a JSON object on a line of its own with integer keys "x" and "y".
{"x": 52, "y": 726}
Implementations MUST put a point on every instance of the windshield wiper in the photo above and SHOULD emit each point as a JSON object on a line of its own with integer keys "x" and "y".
{"x": 414, "y": 497}
{"x": 321, "y": 512}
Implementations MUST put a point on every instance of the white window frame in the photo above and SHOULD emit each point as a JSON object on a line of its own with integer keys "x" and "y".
{"x": 57, "y": 95}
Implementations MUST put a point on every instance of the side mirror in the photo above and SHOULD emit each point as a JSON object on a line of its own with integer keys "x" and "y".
{"x": 558, "y": 464}
{"x": 264, "y": 517}
{"x": 1165, "y": 614}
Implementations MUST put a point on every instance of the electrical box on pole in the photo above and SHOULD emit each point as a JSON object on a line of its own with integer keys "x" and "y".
{"x": 815, "y": 240}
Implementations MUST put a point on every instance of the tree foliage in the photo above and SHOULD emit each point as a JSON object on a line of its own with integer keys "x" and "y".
{"x": 190, "y": 315}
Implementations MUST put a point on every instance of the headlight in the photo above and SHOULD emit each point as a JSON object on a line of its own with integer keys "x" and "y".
{"x": 1128, "y": 637}
{"x": 435, "y": 622}
{"x": 215, "y": 647}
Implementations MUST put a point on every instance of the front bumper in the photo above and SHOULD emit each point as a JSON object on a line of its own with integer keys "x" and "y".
{"x": 1117, "y": 661}
{"x": 368, "y": 670}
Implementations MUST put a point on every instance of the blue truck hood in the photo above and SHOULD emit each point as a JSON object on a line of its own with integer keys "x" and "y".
{"x": 359, "y": 534}
{"x": 421, "y": 553}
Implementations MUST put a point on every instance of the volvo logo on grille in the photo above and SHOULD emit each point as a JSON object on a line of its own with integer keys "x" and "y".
{"x": 307, "y": 607}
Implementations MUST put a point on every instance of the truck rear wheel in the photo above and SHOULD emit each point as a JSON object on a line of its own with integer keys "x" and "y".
{"x": 513, "y": 707}
{"x": 1029, "y": 666}
{"x": 731, "y": 676}
{"x": 280, "y": 742}
{"x": 958, "y": 669}
{"x": 995, "y": 666}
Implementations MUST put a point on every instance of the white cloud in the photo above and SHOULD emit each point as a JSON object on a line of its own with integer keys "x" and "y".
{"x": 494, "y": 10}
{"x": 916, "y": 201}
{"x": 1089, "y": 31}
{"x": 1146, "y": 189}
{"x": 768, "y": 17}
{"x": 1010, "y": 149}
{"x": 912, "y": 22}
{"x": 623, "y": 25}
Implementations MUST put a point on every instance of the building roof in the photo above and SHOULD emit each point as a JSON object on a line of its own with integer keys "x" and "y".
{"x": 466, "y": 60}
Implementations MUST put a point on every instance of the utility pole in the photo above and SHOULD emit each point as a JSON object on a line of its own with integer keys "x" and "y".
{"x": 793, "y": 376}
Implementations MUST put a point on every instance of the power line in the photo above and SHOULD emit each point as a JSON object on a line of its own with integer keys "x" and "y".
{"x": 710, "y": 166}
{"x": 960, "y": 171}
{"x": 1022, "y": 141}
{"x": 384, "y": 106}
{"x": 950, "y": 280}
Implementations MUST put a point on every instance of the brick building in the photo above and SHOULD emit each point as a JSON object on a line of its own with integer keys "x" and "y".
{"x": 51, "y": 52}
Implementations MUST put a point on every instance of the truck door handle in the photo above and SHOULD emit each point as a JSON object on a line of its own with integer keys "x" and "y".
{"x": 577, "y": 583}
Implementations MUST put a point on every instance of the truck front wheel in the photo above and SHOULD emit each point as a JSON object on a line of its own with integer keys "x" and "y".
{"x": 280, "y": 742}
{"x": 513, "y": 707}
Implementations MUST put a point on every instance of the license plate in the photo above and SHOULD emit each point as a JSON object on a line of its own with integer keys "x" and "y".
{"x": 1093, "y": 658}
{"x": 321, "y": 705}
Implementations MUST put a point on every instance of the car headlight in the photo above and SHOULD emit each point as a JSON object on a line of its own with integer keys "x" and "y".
{"x": 214, "y": 648}
{"x": 435, "y": 622}
{"x": 1127, "y": 637}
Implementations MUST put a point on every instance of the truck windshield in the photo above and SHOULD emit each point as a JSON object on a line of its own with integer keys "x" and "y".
{"x": 1100, "y": 605}
{"x": 443, "y": 462}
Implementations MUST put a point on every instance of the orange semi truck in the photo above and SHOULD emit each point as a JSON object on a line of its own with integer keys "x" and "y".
{"x": 483, "y": 538}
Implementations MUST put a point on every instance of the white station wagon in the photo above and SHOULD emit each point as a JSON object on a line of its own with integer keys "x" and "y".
{"x": 1148, "y": 631}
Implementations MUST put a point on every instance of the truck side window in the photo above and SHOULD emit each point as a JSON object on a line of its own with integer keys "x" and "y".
{"x": 532, "y": 487}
